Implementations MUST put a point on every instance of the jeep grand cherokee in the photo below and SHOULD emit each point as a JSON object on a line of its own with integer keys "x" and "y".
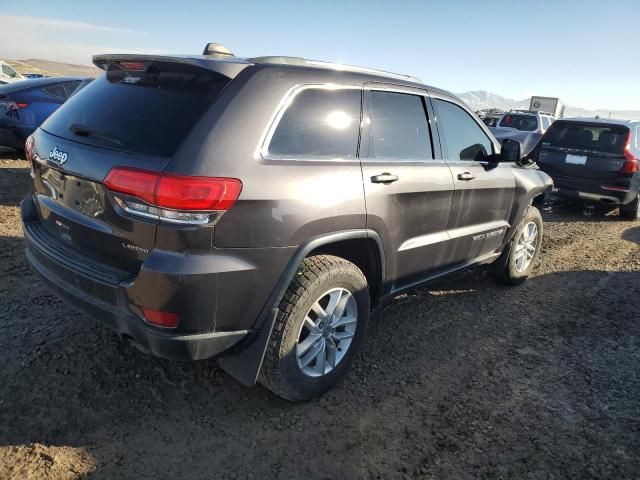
{"x": 256, "y": 210}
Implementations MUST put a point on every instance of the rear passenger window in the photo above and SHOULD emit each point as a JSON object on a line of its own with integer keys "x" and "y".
{"x": 399, "y": 128}
{"x": 319, "y": 123}
{"x": 463, "y": 137}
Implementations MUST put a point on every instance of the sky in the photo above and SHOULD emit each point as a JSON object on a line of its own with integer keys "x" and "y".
{"x": 583, "y": 51}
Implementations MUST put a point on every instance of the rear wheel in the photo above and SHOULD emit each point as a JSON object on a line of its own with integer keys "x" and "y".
{"x": 631, "y": 211}
{"x": 320, "y": 325}
{"x": 521, "y": 256}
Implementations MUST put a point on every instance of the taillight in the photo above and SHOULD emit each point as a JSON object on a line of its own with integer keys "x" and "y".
{"x": 173, "y": 198}
{"x": 630, "y": 164}
{"x": 20, "y": 105}
{"x": 28, "y": 148}
{"x": 161, "y": 319}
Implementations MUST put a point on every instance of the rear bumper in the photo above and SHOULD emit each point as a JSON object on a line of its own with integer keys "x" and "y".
{"x": 596, "y": 191}
{"x": 218, "y": 306}
{"x": 144, "y": 337}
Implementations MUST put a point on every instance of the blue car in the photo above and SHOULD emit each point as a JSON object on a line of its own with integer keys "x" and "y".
{"x": 26, "y": 104}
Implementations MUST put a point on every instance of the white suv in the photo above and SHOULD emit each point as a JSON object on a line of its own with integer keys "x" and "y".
{"x": 526, "y": 121}
{"x": 8, "y": 74}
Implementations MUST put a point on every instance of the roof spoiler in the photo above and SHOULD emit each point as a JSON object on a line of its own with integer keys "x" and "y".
{"x": 226, "y": 65}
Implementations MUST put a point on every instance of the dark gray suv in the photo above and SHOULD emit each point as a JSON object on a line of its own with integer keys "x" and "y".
{"x": 256, "y": 210}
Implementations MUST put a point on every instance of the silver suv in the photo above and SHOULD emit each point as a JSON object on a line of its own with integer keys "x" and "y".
{"x": 526, "y": 121}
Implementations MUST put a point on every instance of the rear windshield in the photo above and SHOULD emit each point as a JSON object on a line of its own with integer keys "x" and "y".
{"x": 147, "y": 112}
{"x": 526, "y": 123}
{"x": 585, "y": 136}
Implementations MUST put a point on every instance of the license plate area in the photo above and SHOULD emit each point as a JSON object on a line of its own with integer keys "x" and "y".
{"x": 575, "y": 159}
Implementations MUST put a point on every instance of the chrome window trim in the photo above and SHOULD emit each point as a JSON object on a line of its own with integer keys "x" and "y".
{"x": 284, "y": 104}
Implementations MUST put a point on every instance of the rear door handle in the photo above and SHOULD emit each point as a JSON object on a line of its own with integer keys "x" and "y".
{"x": 466, "y": 176}
{"x": 385, "y": 178}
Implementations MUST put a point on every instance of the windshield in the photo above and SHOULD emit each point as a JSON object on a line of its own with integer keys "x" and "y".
{"x": 141, "y": 112}
{"x": 584, "y": 136}
{"x": 526, "y": 123}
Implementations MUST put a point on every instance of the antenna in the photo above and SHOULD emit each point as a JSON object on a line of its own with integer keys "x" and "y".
{"x": 217, "y": 49}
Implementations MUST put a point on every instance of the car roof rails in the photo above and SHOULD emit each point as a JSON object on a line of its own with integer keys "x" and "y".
{"x": 303, "y": 62}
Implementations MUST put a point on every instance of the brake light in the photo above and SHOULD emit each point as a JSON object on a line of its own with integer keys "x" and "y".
{"x": 173, "y": 198}
{"x": 630, "y": 164}
{"x": 132, "y": 66}
{"x": 161, "y": 319}
{"x": 20, "y": 105}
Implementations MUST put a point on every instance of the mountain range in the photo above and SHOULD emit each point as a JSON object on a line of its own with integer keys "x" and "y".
{"x": 481, "y": 99}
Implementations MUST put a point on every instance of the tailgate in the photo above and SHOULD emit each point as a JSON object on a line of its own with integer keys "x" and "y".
{"x": 135, "y": 116}
{"x": 75, "y": 207}
{"x": 581, "y": 149}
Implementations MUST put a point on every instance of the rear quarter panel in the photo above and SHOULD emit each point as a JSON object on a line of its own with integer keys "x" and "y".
{"x": 283, "y": 202}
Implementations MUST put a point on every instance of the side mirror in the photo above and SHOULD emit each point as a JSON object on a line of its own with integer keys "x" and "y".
{"x": 511, "y": 151}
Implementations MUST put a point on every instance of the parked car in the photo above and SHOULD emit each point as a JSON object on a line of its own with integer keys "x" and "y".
{"x": 35, "y": 75}
{"x": 25, "y": 105}
{"x": 594, "y": 160}
{"x": 213, "y": 206}
{"x": 526, "y": 121}
{"x": 8, "y": 74}
{"x": 525, "y": 127}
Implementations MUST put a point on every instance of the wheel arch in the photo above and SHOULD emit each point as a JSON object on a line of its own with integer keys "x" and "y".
{"x": 245, "y": 360}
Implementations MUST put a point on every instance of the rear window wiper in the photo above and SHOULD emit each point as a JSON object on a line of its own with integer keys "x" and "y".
{"x": 83, "y": 131}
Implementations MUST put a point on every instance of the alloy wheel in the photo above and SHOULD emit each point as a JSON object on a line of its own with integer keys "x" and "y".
{"x": 327, "y": 332}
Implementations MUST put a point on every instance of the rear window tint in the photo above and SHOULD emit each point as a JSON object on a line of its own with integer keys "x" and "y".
{"x": 399, "y": 128}
{"x": 319, "y": 123}
{"x": 585, "y": 136}
{"x": 526, "y": 123}
{"x": 148, "y": 113}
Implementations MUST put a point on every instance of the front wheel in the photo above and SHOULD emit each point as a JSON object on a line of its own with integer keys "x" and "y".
{"x": 320, "y": 325}
{"x": 521, "y": 255}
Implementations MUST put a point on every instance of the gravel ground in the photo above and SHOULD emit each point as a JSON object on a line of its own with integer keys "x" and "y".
{"x": 464, "y": 379}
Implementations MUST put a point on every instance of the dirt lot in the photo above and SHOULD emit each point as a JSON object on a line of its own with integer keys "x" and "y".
{"x": 465, "y": 379}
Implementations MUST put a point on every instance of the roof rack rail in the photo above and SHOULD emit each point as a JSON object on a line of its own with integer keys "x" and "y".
{"x": 303, "y": 62}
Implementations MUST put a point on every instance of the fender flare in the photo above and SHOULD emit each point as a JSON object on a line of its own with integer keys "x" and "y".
{"x": 244, "y": 361}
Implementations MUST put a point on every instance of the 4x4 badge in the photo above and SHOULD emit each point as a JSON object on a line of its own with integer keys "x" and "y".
{"x": 58, "y": 156}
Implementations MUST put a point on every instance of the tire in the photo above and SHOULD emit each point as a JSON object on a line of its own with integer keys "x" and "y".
{"x": 631, "y": 211}
{"x": 511, "y": 269}
{"x": 319, "y": 279}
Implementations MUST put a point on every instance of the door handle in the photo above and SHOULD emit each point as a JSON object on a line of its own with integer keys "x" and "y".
{"x": 385, "y": 178}
{"x": 466, "y": 176}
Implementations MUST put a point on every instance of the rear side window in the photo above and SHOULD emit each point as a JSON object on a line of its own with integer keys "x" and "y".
{"x": 463, "y": 137}
{"x": 149, "y": 112}
{"x": 584, "y": 136}
{"x": 398, "y": 127}
{"x": 319, "y": 123}
{"x": 7, "y": 70}
{"x": 70, "y": 87}
{"x": 546, "y": 121}
{"x": 525, "y": 123}
{"x": 57, "y": 91}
